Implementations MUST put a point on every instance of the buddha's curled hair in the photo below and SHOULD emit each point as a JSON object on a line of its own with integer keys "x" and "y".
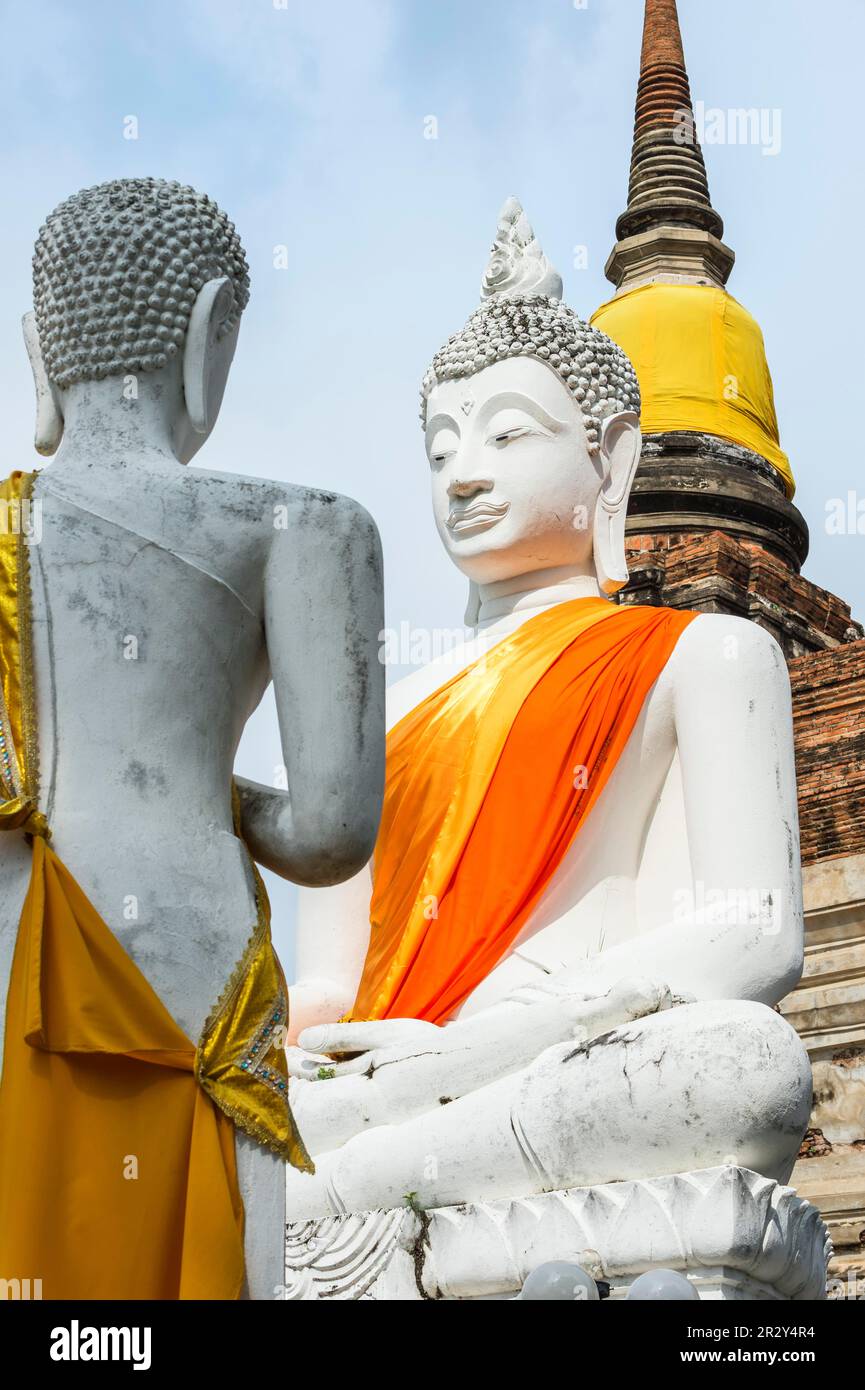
{"x": 117, "y": 269}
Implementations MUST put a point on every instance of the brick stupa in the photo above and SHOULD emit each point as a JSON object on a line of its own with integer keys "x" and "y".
{"x": 712, "y": 526}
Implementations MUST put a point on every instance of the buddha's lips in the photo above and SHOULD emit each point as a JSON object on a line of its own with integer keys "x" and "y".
{"x": 477, "y": 516}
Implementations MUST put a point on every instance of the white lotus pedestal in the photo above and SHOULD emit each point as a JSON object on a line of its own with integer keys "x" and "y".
{"x": 734, "y": 1234}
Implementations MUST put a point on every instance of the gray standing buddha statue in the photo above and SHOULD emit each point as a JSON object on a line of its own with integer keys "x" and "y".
{"x": 140, "y": 634}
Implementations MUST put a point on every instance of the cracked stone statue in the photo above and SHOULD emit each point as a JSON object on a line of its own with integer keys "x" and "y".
{"x": 561, "y": 965}
{"x": 145, "y": 607}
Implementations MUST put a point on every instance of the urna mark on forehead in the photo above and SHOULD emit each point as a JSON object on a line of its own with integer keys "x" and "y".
{"x": 521, "y": 316}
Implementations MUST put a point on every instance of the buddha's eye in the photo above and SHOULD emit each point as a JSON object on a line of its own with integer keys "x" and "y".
{"x": 443, "y": 446}
{"x": 506, "y": 436}
{"x": 510, "y": 423}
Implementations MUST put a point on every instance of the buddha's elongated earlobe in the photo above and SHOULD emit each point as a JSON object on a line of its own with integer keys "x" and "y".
{"x": 203, "y": 374}
{"x": 620, "y": 454}
{"x": 49, "y": 416}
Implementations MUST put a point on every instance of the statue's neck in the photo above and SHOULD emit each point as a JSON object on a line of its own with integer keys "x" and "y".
{"x": 119, "y": 419}
{"x": 529, "y": 593}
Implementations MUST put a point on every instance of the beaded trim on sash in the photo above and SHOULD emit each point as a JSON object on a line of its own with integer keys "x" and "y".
{"x": 240, "y": 1057}
{"x": 19, "y": 753}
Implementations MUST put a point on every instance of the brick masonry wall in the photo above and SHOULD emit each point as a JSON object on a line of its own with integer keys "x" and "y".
{"x": 829, "y": 728}
{"x": 713, "y": 572}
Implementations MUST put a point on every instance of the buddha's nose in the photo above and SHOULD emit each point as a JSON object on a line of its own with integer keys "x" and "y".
{"x": 467, "y": 487}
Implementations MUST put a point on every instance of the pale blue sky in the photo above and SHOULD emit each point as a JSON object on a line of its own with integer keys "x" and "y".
{"x": 306, "y": 123}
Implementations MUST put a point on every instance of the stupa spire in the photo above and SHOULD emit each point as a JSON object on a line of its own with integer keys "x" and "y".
{"x": 662, "y": 37}
{"x": 669, "y": 230}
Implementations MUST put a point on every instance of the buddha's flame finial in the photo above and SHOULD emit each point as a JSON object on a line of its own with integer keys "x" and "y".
{"x": 517, "y": 265}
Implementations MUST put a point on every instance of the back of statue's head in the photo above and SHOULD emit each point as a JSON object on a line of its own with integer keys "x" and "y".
{"x": 117, "y": 269}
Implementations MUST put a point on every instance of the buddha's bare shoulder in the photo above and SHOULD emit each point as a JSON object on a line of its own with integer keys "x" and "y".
{"x": 719, "y": 650}
{"x": 277, "y": 506}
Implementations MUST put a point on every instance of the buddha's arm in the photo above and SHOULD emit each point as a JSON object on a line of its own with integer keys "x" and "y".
{"x": 323, "y": 616}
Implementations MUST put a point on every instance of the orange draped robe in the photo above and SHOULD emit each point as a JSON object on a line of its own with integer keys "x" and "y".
{"x": 117, "y": 1173}
{"x": 488, "y": 780}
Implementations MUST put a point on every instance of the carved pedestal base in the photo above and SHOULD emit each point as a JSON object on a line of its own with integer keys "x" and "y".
{"x": 734, "y": 1234}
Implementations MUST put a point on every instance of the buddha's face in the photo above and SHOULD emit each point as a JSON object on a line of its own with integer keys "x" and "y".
{"x": 513, "y": 483}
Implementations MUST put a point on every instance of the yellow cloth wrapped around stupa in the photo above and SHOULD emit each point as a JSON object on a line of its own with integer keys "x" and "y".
{"x": 701, "y": 364}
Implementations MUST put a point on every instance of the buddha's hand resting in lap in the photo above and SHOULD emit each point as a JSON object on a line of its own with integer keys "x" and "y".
{"x": 533, "y": 1017}
{"x": 343, "y": 1049}
{"x": 629, "y": 998}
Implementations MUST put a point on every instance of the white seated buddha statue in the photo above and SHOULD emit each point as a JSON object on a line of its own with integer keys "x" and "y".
{"x": 561, "y": 965}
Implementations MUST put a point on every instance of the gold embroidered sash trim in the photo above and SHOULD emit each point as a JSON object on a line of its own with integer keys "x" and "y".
{"x": 240, "y": 1057}
{"x": 19, "y": 750}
